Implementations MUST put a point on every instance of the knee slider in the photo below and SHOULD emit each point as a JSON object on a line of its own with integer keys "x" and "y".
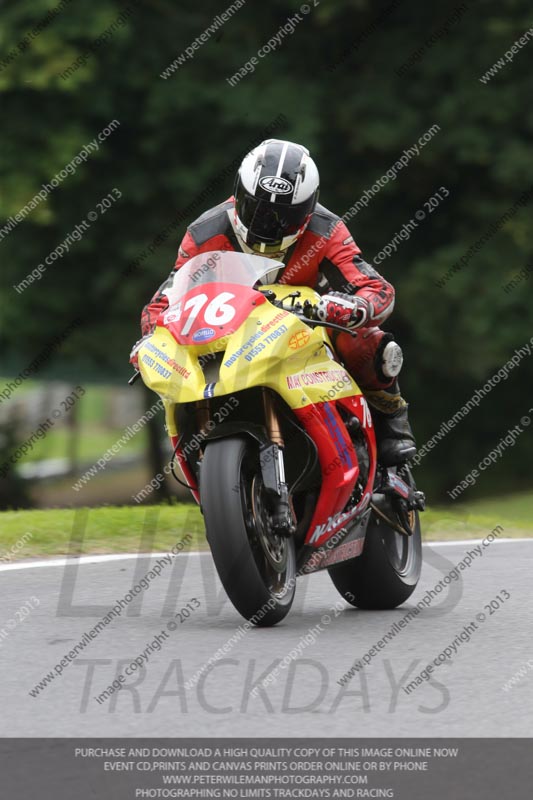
{"x": 389, "y": 358}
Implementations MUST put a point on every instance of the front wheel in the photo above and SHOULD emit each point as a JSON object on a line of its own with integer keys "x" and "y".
{"x": 257, "y": 568}
{"x": 388, "y": 570}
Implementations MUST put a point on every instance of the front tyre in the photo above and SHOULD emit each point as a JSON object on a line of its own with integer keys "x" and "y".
{"x": 388, "y": 570}
{"x": 257, "y": 568}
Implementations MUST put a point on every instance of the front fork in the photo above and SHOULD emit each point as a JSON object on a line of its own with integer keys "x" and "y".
{"x": 273, "y": 471}
{"x": 271, "y": 461}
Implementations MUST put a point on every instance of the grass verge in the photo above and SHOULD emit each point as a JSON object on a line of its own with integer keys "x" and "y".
{"x": 119, "y": 529}
{"x": 109, "y": 529}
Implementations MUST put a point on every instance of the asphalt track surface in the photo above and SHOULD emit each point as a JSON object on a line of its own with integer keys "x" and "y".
{"x": 465, "y": 696}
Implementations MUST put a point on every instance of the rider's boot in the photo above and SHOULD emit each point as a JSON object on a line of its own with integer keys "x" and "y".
{"x": 395, "y": 439}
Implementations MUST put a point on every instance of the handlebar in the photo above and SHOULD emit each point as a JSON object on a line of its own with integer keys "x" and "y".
{"x": 299, "y": 309}
{"x": 319, "y": 324}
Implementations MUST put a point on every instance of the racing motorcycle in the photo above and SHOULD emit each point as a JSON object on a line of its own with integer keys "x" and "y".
{"x": 276, "y": 443}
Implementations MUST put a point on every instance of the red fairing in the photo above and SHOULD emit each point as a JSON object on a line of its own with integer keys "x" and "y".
{"x": 209, "y": 312}
{"x": 187, "y": 250}
{"x": 182, "y": 461}
{"x": 359, "y": 408}
{"x": 338, "y": 463}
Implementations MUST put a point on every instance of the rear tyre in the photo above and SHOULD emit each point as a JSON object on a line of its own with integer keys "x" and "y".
{"x": 257, "y": 568}
{"x": 388, "y": 570}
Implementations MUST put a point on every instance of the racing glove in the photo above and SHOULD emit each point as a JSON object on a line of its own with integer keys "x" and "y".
{"x": 134, "y": 355}
{"x": 348, "y": 310}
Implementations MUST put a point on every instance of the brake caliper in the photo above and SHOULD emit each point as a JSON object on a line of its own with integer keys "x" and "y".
{"x": 273, "y": 473}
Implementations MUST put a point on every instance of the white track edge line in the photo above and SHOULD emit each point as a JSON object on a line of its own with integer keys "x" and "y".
{"x": 95, "y": 559}
{"x": 98, "y": 559}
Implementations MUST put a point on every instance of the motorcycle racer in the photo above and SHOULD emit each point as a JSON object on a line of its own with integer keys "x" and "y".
{"x": 274, "y": 212}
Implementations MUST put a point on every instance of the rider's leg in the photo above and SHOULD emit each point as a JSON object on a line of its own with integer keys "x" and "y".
{"x": 374, "y": 360}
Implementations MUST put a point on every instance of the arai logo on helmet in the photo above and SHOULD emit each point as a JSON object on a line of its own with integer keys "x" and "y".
{"x": 276, "y": 185}
{"x": 203, "y": 334}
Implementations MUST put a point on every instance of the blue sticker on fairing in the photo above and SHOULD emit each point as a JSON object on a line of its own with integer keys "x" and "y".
{"x": 203, "y": 334}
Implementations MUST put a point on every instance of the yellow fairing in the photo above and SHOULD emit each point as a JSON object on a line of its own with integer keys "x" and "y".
{"x": 272, "y": 348}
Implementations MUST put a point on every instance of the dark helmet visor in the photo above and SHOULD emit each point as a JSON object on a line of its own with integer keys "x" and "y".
{"x": 269, "y": 222}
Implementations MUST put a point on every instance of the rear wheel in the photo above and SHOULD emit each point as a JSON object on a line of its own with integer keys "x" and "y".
{"x": 257, "y": 568}
{"x": 388, "y": 570}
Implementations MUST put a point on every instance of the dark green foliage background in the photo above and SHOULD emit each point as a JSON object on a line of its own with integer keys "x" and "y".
{"x": 335, "y": 81}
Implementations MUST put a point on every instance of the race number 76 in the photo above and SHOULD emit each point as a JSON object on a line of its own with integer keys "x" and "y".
{"x": 217, "y": 312}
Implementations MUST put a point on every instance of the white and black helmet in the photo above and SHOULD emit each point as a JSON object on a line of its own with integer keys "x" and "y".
{"x": 276, "y": 191}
